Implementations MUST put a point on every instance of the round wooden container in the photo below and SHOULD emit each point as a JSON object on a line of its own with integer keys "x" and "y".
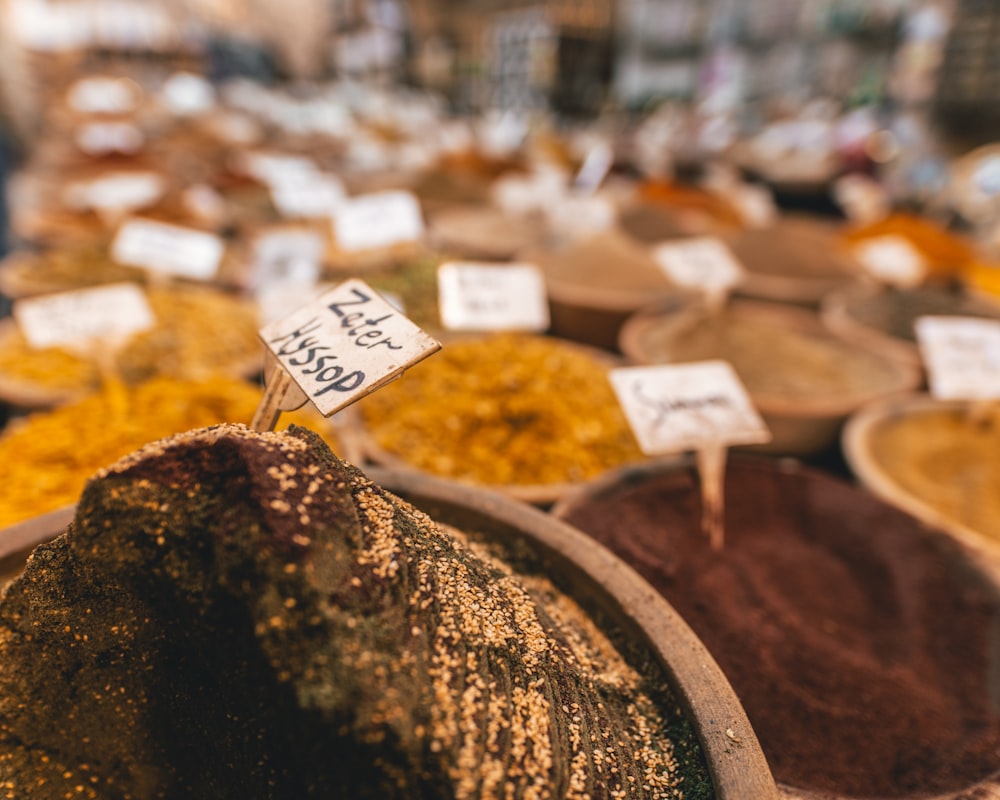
{"x": 934, "y": 452}
{"x": 798, "y": 259}
{"x": 841, "y": 621}
{"x": 595, "y": 579}
{"x": 595, "y": 283}
{"x": 804, "y": 415}
{"x": 882, "y": 319}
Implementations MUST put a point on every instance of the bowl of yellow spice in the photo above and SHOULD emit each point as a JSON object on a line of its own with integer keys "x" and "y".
{"x": 528, "y": 415}
{"x": 199, "y": 332}
{"x": 937, "y": 459}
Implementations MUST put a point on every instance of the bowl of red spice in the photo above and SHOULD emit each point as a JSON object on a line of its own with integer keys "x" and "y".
{"x": 861, "y": 643}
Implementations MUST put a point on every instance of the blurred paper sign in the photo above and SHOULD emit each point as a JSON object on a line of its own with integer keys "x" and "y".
{"x": 488, "y": 297}
{"x": 962, "y": 356}
{"x": 892, "y": 260}
{"x": 380, "y": 219}
{"x": 168, "y": 249}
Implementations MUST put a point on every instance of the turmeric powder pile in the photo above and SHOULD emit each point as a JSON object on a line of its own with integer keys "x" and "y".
{"x": 506, "y": 409}
{"x": 51, "y": 454}
{"x": 948, "y": 460}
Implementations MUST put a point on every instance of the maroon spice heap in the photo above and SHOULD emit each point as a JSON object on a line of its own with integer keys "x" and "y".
{"x": 861, "y": 645}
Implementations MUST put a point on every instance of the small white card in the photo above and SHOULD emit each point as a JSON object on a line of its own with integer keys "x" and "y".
{"x": 307, "y": 195}
{"x": 490, "y": 297}
{"x": 102, "y": 95}
{"x": 275, "y": 168}
{"x": 170, "y": 249}
{"x": 104, "y": 138}
{"x": 380, "y": 219}
{"x": 891, "y": 259}
{"x": 120, "y": 191}
{"x": 185, "y": 93}
{"x": 962, "y": 356}
{"x": 345, "y": 345}
{"x": 79, "y": 320}
{"x": 704, "y": 263}
{"x": 677, "y": 407}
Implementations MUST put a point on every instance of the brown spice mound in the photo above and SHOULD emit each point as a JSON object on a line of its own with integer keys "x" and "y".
{"x": 862, "y": 647}
{"x": 236, "y": 614}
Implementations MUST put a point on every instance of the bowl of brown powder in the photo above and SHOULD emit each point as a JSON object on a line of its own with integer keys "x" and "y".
{"x": 861, "y": 643}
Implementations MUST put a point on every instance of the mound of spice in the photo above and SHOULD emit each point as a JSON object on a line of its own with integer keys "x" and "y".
{"x": 241, "y": 614}
{"x": 948, "y": 459}
{"x": 861, "y": 644}
{"x": 505, "y": 409}
{"x": 778, "y": 352}
{"x": 199, "y": 332}
{"x": 52, "y": 454}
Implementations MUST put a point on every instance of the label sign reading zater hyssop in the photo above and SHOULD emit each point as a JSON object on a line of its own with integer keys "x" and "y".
{"x": 677, "y": 407}
{"x": 345, "y": 345}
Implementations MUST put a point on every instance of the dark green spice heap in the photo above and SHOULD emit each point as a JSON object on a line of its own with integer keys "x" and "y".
{"x": 241, "y": 615}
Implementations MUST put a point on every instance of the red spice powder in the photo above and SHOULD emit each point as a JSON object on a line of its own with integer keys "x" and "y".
{"x": 864, "y": 649}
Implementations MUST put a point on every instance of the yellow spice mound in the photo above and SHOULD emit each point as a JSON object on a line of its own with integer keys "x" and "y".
{"x": 504, "y": 410}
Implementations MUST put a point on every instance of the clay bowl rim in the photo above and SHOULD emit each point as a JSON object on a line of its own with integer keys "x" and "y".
{"x": 738, "y": 768}
{"x": 988, "y": 571}
{"x": 736, "y": 763}
{"x": 857, "y": 441}
{"x": 904, "y": 377}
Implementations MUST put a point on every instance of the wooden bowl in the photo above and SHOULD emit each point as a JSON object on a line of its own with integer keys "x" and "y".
{"x": 804, "y": 415}
{"x": 595, "y": 579}
{"x": 798, "y": 259}
{"x": 822, "y": 607}
{"x": 873, "y": 466}
{"x": 596, "y": 283}
{"x": 491, "y": 419}
{"x": 882, "y": 319}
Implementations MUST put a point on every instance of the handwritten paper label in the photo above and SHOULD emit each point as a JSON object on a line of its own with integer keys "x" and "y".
{"x": 307, "y": 195}
{"x": 169, "y": 249}
{"x": 104, "y": 138}
{"x": 275, "y": 168}
{"x": 986, "y": 176}
{"x": 80, "y": 319}
{"x": 891, "y": 259}
{"x": 380, "y": 219}
{"x": 677, "y": 407}
{"x": 484, "y": 297}
{"x": 345, "y": 345}
{"x": 100, "y": 95}
{"x": 962, "y": 356}
{"x": 117, "y": 190}
{"x": 703, "y": 263}
{"x": 186, "y": 93}
{"x": 595, "y": 168}
{"x": 755, "y": 205}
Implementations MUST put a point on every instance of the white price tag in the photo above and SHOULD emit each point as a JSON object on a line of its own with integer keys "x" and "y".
{"x": 98, "y": 95}
{"x": 276, "y": 168}
{"x": 171, "y": 249}
{"x": 755, "y": 205}
{"x": 307, "y": 195}
{"x": 677, "y": 407}
{"x": 185, "y": 93}
{"x": 704, "y": 263}
{"x": 80, "y": 319}
{"x": 595, "y": 168}
{"x": 104, "y": 138}
{"x": 891, "y": 259}
{"x": 345, "y": 345}
{"x": 380, "y": 219}
{"x": 483, "y": 297}
{"x": 962, "y": 356}
{"x": 276, "y": 247}
{"x": 122, "y": 191}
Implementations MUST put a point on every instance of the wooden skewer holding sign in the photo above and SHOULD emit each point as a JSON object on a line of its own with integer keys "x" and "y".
{"x": 334, "y": 351}
{"x": 701, "y": 406}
